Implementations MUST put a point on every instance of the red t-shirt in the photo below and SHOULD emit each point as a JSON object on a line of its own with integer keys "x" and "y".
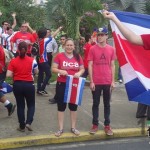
{"x": 2, "y": 59}
{"x": 71, "y": 65}
{"x": 102, "y": 58}
{"x": 146, "y": 40}
{"x": 22, "y": 68}
{"x": 86, "y": 49}
{"x": 21, "y": 36}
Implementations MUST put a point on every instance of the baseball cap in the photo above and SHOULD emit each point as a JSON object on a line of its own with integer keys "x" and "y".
{"x": 102, "y": 30}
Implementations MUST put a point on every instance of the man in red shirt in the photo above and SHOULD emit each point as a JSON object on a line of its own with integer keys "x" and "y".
{"x": 10, "y": 107}
{"x": 101, "y": 72}
{"x": 23, "y": 35}
{"x": 86, "y": 49}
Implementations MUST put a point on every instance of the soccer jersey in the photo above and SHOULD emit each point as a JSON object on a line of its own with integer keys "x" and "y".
{"x": 71, "y": 65}
{"x": 101, "y": 57}
{"x": 43, "y": 49}
{"x": 26, "y": 37}
{"x": 25, "y": 73}
{"x": 146, "y": 41}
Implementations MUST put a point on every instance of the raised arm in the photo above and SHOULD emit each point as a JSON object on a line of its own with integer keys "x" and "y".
{"x": 14, "y": 20}
{"x": 127, "y": 33}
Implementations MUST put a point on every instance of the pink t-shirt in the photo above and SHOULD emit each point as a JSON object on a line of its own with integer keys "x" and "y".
{"x": 102, "y": 58}
{"x": 71, "y": 65}
{"x": 146, "y": 40}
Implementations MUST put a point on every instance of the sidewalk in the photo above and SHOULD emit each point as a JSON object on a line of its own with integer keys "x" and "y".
{"x": 45, "y": 123}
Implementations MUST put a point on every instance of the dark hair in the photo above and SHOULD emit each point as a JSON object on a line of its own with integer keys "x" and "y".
{"x": 48, "y": 29}
{"x": 87, "y": 37}
{"x": 22, "y": 47}
{"x": 4, "y": 22}
{"x": 64, "y": 35}
{"x": 75, "y": 54}
{"x": 42, "y": 33}
{"x": 8, "y": 28}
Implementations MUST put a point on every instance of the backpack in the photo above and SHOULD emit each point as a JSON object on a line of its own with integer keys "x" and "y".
{"x": 35, "y": 49}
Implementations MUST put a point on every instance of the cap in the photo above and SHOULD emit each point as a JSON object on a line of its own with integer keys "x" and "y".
{"x": 102, "y": 30}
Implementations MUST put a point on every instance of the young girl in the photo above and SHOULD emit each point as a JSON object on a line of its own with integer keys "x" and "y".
{"x": 66, "y": 63}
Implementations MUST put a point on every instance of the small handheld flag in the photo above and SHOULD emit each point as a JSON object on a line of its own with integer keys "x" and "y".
{"x": 74, "y": 90}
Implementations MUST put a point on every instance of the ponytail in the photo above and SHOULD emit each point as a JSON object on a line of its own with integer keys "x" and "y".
{"x": 22, "y": 47}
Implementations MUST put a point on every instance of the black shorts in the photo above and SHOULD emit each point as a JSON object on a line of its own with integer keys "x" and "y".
{"x": 60, "y": 92}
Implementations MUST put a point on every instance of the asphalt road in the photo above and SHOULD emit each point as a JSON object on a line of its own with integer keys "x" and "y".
{"x": 115, "y": 144}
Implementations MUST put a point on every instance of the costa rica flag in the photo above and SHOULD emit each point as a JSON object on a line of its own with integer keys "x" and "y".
{"x": 134, "y": 60}
{"x": 74, "y": 90}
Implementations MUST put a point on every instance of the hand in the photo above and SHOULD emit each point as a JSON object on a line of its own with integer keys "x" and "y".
{"x": 60, "y": 27}
{"x": 92, "y": 86}
{"x": 13, "y": 14}
{"x": 27, "y": 24}
{"x": 112, "y": 85}
{"x": 63, "y": 72}
{"x": 77, "y": 75}
{"x": 108, "y": 15}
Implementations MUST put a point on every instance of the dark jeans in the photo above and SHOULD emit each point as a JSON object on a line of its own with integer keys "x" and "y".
{"x": 50, "y": 57}
{"x": 24, "y": 91}
{"x": 42, "y": 81}
{"x": 119, "y": 74}
{"x": 96, "y": 101}
{"x": 85, "y": 74}
{"x": 142, "y": 110}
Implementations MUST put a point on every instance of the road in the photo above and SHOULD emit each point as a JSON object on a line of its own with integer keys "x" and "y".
{"x": 113, "y": 144}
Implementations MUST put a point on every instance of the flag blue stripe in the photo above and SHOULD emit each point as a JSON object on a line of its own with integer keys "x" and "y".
{"x": 134, "y": 88}
{"x": 66, "y": 89}
{"x": 81, "y": 92}
{"x": 133, "y": 18}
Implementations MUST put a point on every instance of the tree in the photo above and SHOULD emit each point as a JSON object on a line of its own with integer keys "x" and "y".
{"x": 69, "y": 13}
{"x": 25, "y": 11}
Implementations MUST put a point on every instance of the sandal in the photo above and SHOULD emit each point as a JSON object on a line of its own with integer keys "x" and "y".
{"x": 59, "y": 133}
{"x": 75, "y": 131}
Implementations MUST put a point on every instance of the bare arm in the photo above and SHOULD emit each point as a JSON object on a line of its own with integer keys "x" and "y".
{"x": 90, "y": 69}
{"x": 14, "y": 20}
{"x": 128, "y": 34}
{"x": 113, "y": 73}
{"x": 9, "y": 73}
{"x": 57, "y": 31}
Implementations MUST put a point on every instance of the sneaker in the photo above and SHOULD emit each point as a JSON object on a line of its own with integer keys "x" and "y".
{"x": 94, "y": 129}
{"x": 108, "y": 130}
{"x": 52, "y": 101}
{"x": 43, "y": 93}
{"x": 120, "y": 81}
{"x": 28, "y": 126}
{"x": 11, "y": 109}
{"x": 20, "y": 129}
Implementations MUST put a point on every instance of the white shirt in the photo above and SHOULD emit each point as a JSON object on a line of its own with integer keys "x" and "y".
{"x": 52, "y": 46}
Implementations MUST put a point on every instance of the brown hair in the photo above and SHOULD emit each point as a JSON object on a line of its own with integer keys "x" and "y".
{"x": 22, "y": 47}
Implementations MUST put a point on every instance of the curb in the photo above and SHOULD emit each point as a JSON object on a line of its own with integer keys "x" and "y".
{"x": 68, "y": 137}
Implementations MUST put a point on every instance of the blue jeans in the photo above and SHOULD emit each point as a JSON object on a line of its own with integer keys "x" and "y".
{"x": 96, "y": 101}
{"x": 42, "y": 82}
{"x": 24, "y": 91}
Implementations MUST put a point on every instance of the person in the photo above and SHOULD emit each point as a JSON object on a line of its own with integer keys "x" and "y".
{"x": 23, "y": 86}
{"x": 23, "y": 35}
{"x": 60, "y": 50}
{"x": 43, "y": 64}
{"x": 5, "y": 24}
{"x": 86, "y": 49}
{"x": 51, "y": 48}
{"x": 10, "y": 107}
{"x": 142, "y": 40}
{"x": 66, "y": 63}
{"x": 101, "y": 68}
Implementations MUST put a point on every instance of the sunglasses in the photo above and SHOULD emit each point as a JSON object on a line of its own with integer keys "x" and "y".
{"x": 23, "y": 26}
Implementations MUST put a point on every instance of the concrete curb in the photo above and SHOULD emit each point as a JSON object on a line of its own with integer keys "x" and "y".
{"x": 67, "y": 137}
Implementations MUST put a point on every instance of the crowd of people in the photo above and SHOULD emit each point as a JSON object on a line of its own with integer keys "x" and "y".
{"x": 97, "y": 63}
